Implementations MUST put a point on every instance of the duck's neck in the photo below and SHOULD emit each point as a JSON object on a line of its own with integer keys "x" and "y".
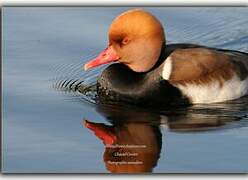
{"x": 161, "y": 58}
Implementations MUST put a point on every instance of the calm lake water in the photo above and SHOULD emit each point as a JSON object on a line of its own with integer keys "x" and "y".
{"x": 44, "y": 50}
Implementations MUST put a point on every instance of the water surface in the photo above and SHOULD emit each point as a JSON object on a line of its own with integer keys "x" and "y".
{"x": 44, "y": 50}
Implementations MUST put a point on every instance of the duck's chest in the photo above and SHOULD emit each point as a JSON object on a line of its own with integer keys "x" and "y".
{"x": 118, "y": 84}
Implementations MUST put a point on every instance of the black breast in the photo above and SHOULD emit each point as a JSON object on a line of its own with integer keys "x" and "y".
{"x": 119, "y": 84}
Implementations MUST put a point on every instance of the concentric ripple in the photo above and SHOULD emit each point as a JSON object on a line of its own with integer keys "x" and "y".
{"x": 72, "y": 80}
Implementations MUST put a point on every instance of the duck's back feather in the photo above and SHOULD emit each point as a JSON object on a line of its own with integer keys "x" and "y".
{"x": 207, "y": 75}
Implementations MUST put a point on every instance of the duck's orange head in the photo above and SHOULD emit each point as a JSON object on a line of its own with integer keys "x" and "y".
{"x": 135, "y": 39}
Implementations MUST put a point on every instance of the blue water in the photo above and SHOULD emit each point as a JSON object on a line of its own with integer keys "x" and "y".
{"x": 44, "y": 49}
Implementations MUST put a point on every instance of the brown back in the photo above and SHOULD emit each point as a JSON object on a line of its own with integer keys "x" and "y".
{"x": 201, "y": 66}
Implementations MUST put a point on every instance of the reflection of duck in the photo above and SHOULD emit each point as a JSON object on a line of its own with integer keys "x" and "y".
{"x": 207, "y": 117}
{"x": 152, "y": 73}
{"x": 132, "y": 126}
{"x": 132, "y": 144}
{"x": 133, "y": 148}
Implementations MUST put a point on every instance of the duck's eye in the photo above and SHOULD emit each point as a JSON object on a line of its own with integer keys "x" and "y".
{"x": 125, "y": 41}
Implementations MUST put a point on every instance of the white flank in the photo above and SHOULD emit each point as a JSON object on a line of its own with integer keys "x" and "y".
{"x": 167, "y": 69}
{"x": 213, "y": 92}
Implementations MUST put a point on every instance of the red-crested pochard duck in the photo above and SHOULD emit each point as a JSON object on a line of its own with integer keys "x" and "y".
{"x": 150, "y": 73}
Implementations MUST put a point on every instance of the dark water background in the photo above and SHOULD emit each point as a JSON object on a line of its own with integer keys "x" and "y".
{"x": 44, "y": 50}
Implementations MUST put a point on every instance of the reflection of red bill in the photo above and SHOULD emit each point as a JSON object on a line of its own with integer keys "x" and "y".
{"x": 102, "y": 131}
{"x": 106, "y": 56}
